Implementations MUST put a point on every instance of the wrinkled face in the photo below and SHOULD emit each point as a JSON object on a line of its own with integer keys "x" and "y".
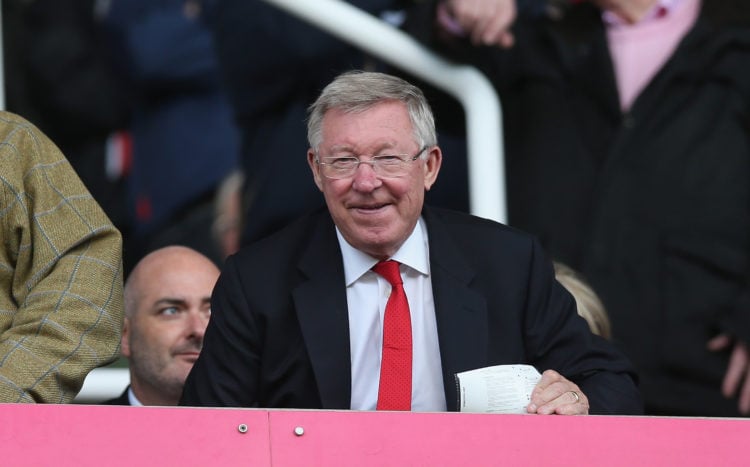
{"x": 163, "y": 338}
{"x": 374, "y": 214}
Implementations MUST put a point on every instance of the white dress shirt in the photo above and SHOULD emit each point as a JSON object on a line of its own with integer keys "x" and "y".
{"x": 132, "y": 398}
{"x": 367, "y": 294}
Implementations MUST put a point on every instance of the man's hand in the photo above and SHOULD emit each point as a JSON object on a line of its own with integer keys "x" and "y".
{"x": 738, "y": 376}
{"x": 554, "y": 394}
{"x": 486, "y": 22}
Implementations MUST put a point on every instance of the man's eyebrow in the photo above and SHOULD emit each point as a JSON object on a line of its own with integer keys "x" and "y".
{"x": 350, "y": 149}
{"x": 179, "y": 301}
{"x": 170, "y": 301}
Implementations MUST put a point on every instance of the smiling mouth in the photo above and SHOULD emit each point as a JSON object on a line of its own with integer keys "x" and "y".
{"x": 371, "y": 208}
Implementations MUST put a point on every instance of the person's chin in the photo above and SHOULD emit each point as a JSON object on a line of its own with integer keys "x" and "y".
{"x": 377, "y": 242}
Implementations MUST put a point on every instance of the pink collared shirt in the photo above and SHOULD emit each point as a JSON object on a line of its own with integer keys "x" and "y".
{"x": 640, "y": 50}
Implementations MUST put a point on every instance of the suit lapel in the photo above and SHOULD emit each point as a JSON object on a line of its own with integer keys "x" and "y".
{"x": 321, "y": 307}
{"x": 461, "y": 312}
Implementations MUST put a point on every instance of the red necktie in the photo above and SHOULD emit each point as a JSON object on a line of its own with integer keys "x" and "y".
{"x": 394, "y": 392}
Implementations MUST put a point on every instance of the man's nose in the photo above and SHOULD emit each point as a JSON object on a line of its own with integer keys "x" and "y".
{"x": 197, "y": 322}
{"x": 364, "y": 178}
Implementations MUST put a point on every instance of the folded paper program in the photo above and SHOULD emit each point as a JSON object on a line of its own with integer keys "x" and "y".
{"x": 497, "y": 389}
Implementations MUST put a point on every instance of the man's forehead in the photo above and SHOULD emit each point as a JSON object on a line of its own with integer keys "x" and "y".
{"x": 387, "y": 125}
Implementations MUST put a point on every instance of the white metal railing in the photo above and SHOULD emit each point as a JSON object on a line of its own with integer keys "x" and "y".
{"x": 483, "y": 113}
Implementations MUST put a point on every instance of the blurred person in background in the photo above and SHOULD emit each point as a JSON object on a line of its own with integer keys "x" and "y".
{"x": 588, "y": 304}
{"x": 184, "y": 140}
{"x": 60, "y": 75}
{"x": 627, "y": 128}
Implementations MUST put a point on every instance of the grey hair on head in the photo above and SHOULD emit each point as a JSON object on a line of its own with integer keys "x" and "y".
{"x": 357, "y": 91}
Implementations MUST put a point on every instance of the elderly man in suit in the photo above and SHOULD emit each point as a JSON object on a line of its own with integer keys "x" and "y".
{"x": 167, "y": 306}
{"x": 379, "y": 301}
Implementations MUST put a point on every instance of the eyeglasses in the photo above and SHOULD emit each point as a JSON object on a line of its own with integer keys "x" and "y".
{"x": 384, "y": 165}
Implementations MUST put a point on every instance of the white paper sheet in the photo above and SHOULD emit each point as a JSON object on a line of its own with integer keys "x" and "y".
{"x": 497, "y": 389}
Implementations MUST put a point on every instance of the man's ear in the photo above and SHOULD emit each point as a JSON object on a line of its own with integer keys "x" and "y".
{"x": 432, "y": 166}
{"x": 315, "y": 168}
{"x": 125, "y": 339}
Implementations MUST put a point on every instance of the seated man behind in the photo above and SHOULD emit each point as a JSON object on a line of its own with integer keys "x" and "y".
{"x": 378, "y": 301}
{"x": 167, "y": 306}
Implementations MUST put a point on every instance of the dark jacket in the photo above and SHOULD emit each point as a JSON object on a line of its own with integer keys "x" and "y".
{"x": 122, "y": 399}
{"x": 652, "y": 206}
{"x": 279, "y": 333}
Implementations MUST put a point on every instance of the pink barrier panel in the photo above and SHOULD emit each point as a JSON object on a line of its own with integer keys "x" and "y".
{"x": 88, "y": 435}
{"x": 453, "y": 439}
{"x": 66, "y": 435}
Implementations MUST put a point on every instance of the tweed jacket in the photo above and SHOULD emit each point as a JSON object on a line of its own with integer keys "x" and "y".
{"x": 61, "y": 304}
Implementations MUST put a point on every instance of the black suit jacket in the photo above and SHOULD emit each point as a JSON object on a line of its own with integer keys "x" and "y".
{"x": 279, "y": 334}
{"x": 122, "y": 399}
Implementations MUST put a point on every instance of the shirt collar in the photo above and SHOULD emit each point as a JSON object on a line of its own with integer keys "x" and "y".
{"x": 131, "y": 397}
{"x": 660, "y": 9}
{"x": 414, "y": 253}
